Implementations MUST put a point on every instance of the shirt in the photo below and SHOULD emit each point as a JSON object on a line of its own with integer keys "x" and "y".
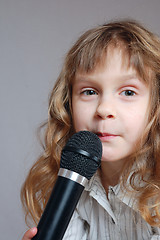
{"x": 97, "y": 217}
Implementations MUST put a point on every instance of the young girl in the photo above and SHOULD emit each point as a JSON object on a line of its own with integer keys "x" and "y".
{"x": 109, "y": 85}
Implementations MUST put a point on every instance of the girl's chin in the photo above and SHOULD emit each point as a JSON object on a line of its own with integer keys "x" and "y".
{"x": 111, "y": 160}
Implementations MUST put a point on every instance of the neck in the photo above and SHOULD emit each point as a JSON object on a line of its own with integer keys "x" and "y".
{"x": 110, "y": 173}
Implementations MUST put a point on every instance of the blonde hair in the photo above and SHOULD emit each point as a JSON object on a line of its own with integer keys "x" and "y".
{"x": 143, "y": 50}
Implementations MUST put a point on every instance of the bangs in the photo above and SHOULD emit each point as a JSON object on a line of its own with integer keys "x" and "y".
{"x": 90, "y": 51}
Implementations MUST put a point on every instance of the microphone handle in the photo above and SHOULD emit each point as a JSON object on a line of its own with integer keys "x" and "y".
{"x": 59, "y": 209}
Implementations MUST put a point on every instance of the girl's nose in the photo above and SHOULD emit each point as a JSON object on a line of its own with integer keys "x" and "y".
{"x": 106, "y": 109}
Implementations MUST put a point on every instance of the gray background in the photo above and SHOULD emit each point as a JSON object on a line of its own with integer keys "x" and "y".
{"x": 34, "y": 36}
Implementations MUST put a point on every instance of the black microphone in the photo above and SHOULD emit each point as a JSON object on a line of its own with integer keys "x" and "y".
{"x": 80, "y": 159}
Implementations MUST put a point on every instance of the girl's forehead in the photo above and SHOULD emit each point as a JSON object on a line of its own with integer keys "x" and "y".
{"x": 115, "y": 54}
{"x": 113, "y": 58}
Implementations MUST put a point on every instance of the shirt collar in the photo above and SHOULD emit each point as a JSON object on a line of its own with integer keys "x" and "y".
{"x": 97, "y": 191}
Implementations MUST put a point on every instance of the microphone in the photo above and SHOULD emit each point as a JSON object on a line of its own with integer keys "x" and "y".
{"x": 80, "y": 159}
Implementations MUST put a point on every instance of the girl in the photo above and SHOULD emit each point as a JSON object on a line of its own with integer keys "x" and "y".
{"x": 109, "y": 85}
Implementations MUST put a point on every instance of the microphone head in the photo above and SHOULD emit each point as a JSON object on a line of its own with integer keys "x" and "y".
{"x": 82, "y": 154}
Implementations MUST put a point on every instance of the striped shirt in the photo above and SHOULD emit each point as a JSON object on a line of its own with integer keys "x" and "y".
{"x": 114, "y": 218}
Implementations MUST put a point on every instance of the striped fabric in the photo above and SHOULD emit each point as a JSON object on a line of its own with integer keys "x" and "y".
{"x": 115, "y": 218}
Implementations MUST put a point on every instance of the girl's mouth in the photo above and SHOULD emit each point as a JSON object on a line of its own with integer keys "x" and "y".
{"x": 105, "y": 136}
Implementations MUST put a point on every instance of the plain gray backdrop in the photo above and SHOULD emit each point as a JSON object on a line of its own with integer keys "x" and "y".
{"x": 34, "y": 37}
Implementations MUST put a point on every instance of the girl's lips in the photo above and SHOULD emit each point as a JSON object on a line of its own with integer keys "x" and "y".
{"x": 106, "y": 136}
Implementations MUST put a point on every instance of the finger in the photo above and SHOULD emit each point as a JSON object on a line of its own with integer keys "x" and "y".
{"x": 30, "y": 234}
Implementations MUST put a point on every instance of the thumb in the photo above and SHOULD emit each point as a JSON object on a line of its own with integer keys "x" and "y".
{"x": 30, "y": 234}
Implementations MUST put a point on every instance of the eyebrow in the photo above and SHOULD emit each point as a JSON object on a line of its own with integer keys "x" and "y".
{"x": 84, "y": 77}
{"x": 130, "y": 77}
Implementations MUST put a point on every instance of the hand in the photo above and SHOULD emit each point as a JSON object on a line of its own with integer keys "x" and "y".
{"x": 30, "y": 234}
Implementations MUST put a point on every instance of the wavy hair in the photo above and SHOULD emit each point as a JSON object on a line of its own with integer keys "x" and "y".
{"x": 142, "y": 51}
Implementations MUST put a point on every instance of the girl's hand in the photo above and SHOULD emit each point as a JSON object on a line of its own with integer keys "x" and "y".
{"x": 30, "y": 234}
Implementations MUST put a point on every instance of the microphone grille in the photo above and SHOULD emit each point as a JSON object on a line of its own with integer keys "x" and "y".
{"x": 82, "y": 154}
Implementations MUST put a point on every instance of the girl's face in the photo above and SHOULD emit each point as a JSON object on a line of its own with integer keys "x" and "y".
{"x": 112, "y": 102}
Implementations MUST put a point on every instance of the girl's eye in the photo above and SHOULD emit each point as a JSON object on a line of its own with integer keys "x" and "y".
{"x": 128, "y": 93}
{"x": 89, "y": 92}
